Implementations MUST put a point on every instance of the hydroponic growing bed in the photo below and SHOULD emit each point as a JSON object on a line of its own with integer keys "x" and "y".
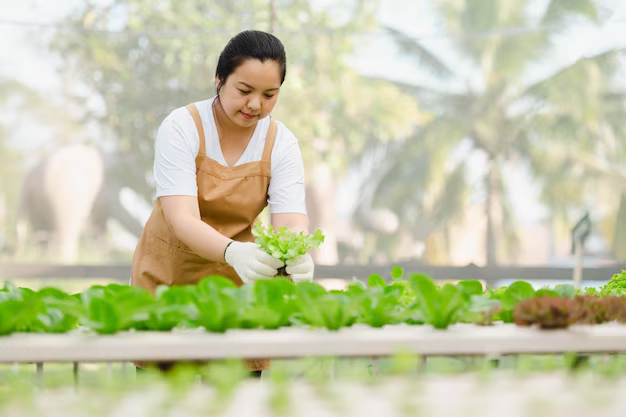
{"x": 277, "y": 318}
{"x": 359, "y": 340}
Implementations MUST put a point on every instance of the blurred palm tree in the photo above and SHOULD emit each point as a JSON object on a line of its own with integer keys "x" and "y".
{"x": 501, "y": 108}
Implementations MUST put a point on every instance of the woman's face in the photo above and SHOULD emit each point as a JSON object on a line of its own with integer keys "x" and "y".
{"x": 250, "y": 92}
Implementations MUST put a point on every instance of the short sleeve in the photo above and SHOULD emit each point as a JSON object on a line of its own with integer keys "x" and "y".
{"x": 286, "y": 193}
{"x": 175, "y": 154}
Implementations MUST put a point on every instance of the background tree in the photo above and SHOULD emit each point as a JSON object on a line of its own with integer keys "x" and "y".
{"x": 143, "y": 59}
{"x": 499, "y": 109}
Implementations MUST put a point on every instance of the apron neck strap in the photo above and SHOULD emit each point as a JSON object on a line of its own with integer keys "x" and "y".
{"x": 269, "y": 141}
{"x": 193, "y": 110}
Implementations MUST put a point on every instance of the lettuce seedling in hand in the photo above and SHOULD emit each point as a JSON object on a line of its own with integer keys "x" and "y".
{"x": 285, "y": 244}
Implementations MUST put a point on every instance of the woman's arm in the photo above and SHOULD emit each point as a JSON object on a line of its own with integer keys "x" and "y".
{"x": 296, "y": 222}
{"x": 183, "y": 215}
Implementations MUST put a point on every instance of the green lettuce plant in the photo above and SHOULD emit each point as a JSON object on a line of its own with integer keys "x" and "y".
{"x": 616, "y": 285}
{"x": 172, "y": 307}
{"x": 268, "y": 304}
{"x": 440, "y": 307}
{"x": 509, "y": 296}
{"x": 219, "y": 306}
{"x": 320, "y": 308}
{"x": 113, "y": 308}
{"x": 284, "y": 244}
{"x": 380, "y": 304}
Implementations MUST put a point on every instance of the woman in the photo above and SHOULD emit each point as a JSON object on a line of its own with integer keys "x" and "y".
{"x": 218, "y": 163}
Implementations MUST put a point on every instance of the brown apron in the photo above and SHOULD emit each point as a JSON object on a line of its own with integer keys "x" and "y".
{"x": 230, "y": 199}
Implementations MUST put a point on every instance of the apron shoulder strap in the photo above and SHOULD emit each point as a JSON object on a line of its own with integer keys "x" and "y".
{"x": 193, "y": 110}
{"x": 269, "y": 141}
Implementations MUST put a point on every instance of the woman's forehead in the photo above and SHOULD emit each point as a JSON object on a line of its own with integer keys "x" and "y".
{"x": 259, "y": 75}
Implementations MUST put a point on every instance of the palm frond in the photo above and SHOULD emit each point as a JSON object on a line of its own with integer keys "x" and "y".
{"x": 480, "y": 17}
{"x": 560, "y": 11}
{"x": 420, "y": 161}
{"x": 571, "y": 87}
{"x": 430, "y": 98}
{"x": 515, "y": 53}
{"x": 421, "y": 54}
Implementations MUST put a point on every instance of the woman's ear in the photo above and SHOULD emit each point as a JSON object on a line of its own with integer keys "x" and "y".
{"x": 218, "y": 84}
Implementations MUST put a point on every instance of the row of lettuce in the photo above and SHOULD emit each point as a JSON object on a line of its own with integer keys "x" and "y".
{"x": 217, "y": 305}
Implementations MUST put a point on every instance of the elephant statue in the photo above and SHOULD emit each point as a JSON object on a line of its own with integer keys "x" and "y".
{"x": 70, "y": 196}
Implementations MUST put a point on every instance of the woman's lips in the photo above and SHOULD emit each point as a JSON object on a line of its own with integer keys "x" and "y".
{"x": 248, "y": 116}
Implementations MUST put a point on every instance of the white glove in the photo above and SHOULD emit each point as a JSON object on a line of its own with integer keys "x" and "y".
{"x": 300, "y": 268}
{"x": 250, "y": 262}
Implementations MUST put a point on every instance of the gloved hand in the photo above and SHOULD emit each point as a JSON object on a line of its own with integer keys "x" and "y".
{"x": 300, "y": 268}
{"x": 250, "y": 262}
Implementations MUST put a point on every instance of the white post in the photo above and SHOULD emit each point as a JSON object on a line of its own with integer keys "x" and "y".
{"x": 39, "y": 374}
{"x": 75, "y": 373}
{"x": 578, "y": 268}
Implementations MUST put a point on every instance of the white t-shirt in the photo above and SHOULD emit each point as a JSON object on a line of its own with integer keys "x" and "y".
{"x": 177, "y": 147}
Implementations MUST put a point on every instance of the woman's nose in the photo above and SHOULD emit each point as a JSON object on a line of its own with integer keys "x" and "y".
{"x": 254, "y": 104}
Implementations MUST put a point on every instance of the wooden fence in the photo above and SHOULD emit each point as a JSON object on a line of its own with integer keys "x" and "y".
{"x": 490, "y": 274}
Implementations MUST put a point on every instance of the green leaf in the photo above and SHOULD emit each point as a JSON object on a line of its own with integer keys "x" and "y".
{"x": 102, "y": 316}
{"x": 470, "y": 287}
{"x": 337, "y": 310}
{"x": 375, "y": 280}
{"x": 546, "y": 291}
{"x": 565, "y": 290}
{"x": 452, "y": 300}
{"x": 397, "y": 273}
{"x": 283, "y": 243}
{"x": 442, "y": 307}
{"x": 11, "y": 313}
{"x": 482, "y": 303}
{"x": 309, "y": 310}
{"x": 427, "y": 296}
{"x": 517, "y": 291}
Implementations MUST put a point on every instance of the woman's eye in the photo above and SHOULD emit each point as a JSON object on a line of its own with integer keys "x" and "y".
{"x": 244, "y": 92}
{"x": 269, "y": 95}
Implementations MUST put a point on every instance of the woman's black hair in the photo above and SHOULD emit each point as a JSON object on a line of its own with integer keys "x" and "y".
{"x": 250, "y": 44}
